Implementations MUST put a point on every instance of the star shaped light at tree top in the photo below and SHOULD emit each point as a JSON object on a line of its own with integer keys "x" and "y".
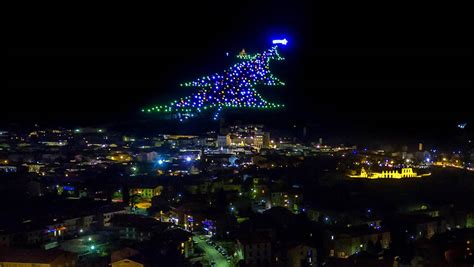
{"x": 233, "y": 88}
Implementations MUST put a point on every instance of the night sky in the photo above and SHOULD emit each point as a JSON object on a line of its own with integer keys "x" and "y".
{"x": 366, "y": 67}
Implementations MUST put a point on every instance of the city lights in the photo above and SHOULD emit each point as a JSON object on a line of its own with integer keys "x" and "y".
{"x": 238, "y": 134}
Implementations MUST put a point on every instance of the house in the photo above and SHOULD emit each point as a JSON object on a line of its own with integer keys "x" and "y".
{"x": 342, "y": 242}
{"x": 146, "y": 192}
{"x": 133, "y": 261}
{"x": 301, "y": 255}
{"x": 78, "y": 224}
{"x": 408, "y": 227}
{"x": 126, "y": 257}
{"x": 106, "y": 213}
{"x": 35, "y": 257}
{"x": 278, "y": 237}
{"x": 178, "y": 238}
{"x": 257, "y": 249}
{"x": 135, "y": 227}
{"x": 292, "y": 200}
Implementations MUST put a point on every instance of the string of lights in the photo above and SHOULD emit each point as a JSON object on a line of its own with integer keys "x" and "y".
{"x": 234, "y": 88}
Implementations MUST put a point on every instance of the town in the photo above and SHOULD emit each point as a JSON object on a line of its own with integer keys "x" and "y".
{"x": 243, "y": 195}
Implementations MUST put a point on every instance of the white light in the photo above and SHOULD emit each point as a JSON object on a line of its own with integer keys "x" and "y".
{"x": 188, "y": 158}
{"x": 280, "y": 41}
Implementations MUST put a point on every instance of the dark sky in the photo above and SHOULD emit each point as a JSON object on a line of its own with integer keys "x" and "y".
{"x": 370, "y": 64}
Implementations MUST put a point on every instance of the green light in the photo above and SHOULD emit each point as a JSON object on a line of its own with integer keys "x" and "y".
{"x": 234, "y": 88}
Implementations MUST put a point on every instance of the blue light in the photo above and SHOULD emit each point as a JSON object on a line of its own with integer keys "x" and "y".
{"x": 160, "y": 161}
{"x": 188, "y": 159}
{"x": 280, "y": 41}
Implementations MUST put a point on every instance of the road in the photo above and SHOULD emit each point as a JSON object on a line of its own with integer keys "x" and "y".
{"x": 211, "y": 254}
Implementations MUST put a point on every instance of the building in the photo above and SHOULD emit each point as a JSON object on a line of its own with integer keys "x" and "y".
{"x": 146, "y": 192}
{"x": 36, "y": 258}
{"x": 179, "y": 239}
{"x": 132, "y": 261}
{"x": 223, "y": 140}
{"x": 7, "y": 169}
{"x": 290, "y": 200}
{"x": 394, "y": 174}
{"x": 105, "y": 214}
{"x": 301, "y": 255}
{"x": 126, "y": 257}
{"x": 257, "y": 250}
{"x": 346, "y": 241}
{"x": 140, "y": 228}
{"x": 79, "y": 224}
{"x": 410, "y": 227}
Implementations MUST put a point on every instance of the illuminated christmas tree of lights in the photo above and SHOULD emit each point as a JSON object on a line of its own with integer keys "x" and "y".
{"x": 233, "y": 88}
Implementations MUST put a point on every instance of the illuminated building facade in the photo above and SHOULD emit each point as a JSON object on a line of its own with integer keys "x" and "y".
{"x": 245, "y": 136}
{"x": 146, "y": 192}
{"x": 392, "y": 174}
{"x": 223, "y": 140}
{"x": 120, "y": 157}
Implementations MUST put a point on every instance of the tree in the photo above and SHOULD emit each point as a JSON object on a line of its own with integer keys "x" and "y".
{"x": 233, "y": 88}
